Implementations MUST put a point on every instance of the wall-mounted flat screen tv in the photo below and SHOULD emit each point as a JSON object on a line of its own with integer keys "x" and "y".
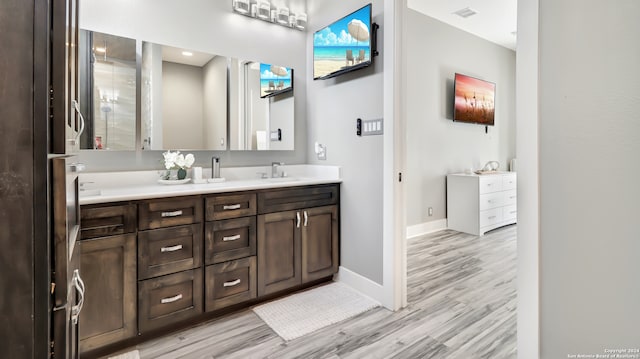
{"x": 275, "y": 80}
{"x": 343, "y": 46}
{"x": 474, "y": 100}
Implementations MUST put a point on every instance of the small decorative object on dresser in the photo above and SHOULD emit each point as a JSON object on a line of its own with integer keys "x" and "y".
{"x": 176, "y": 165}
{"x": 479, "y": 203}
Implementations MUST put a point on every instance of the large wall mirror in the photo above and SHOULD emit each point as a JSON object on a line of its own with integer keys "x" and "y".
{"x": 139, "y": 94}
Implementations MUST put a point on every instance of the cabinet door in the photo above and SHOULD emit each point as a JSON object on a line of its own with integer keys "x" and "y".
{"x": 279, "y": 264}
{"x": 108, "y": 267}
{"x": 319, "y": 242}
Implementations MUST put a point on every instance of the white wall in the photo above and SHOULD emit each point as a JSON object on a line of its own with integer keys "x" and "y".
{"x": 334, "y": 105}
{"x": 436, "y": 145}
{"x": 528, "y": 184}
{"x": 182, "y": 108}
{"x": 589, "y": 142}
{"x": 205, "y": 26}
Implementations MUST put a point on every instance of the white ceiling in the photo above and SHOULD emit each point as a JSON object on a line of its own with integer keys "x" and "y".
{"x": 174, "y": 54}
{"x": 495, "y": 20}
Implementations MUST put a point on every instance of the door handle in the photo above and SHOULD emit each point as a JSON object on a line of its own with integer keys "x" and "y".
{"x": 79, "y": 286}
{"x": 306, "y": 218}
{"x": 76, "y": 107}
{"x": 297, "y": 219}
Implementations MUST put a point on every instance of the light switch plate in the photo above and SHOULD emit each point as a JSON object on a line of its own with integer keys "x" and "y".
{"x": 372, "y": 127}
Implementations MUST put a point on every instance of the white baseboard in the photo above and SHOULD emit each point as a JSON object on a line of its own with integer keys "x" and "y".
{"x": 426, "y": 228}
{"x": 362, "y": 284}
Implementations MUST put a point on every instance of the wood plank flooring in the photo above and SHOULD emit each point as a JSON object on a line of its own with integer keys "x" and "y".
{"x": 462, "y": 304}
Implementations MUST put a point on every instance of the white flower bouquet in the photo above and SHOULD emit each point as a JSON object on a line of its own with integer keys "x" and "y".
{"x": 177, "y": 161}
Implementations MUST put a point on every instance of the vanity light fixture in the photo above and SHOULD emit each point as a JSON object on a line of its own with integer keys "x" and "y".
{"x": 301, "y": 21}
{"x": 283, "y": 16}
{"x": 262, "y": 9}
{"x": 241, "y": 6}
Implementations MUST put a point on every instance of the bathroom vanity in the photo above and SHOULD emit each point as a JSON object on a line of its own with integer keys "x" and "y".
{"x": 159, "y": 258}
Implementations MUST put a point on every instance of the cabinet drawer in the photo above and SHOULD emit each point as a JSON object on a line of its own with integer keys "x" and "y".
{"x": 169, "y": 250}
{"x": 510, "y": 197}
{"x": 230, "y": 283}
{"x": 230, "y": 239}
{"x": 509, "y": 181}
{"x": 168, "y": 299}
{"x": 169, "y": 212}
{"x": 491, "y": 200}
{"x": 490, "y": 216}
{"x": 490, "y": 184}
{"x": 107, "y": 221}
{"x": 297, "y": 198}
{"x": 509, "y": 212}
{"x": 230, "y": 206}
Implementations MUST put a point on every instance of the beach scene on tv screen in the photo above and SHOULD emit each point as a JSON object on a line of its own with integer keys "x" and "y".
{"x": 343, "y": 44}
{"x": 274, "y": 79}
{"x": 474, "y": 100}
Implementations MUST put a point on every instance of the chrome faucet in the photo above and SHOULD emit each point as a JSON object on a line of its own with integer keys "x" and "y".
{"x": 274, "y": 169}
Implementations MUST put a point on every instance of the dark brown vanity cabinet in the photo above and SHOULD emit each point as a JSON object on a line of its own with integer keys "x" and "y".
{"x": 153, "y": 264}
{"x": 108, "y": 267}
{"x": 169, "y": 261}
{"x": 230, "y": 250}
{"x": 299, "y": 244}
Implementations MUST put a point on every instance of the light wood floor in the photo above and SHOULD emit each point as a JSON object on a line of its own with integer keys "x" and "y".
{"x": 462, "y": 304}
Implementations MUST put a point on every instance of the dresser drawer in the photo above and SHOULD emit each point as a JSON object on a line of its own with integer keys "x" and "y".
{"x": 490, "y": 184}
{"x": 169, "y": 299}
{"x": 230, "y": 239}
{"x": 490, "y": 216}
{"x": 297, "y": 198}
{"x": 230, "y": 206}
{"x": 107, "y": 220}
{"x": 491, "y": 200}
{"x": 509, "y": 212}
{"x": 169, "y": 250}
{"x": 510, "y": 197}
{"x": 169, "y": 212}
{"x": 230, "y": 283}
{"x": 509, "y": 181}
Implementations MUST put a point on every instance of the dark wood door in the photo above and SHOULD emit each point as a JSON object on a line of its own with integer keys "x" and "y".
{"x": 108, "y": 267}
{"x": 319, "y": 242}
{"x": 278, "y": 251}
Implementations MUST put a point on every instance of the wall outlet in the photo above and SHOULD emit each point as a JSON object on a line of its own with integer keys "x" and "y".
{"x": 430, "y": 211}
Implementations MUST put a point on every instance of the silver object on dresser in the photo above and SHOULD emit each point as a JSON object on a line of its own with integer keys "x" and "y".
{"x": 215, "y": 167}
{"x": 274, "y": 169}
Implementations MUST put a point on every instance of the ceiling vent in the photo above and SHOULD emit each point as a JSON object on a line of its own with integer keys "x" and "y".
{"x": 466, "y": 12}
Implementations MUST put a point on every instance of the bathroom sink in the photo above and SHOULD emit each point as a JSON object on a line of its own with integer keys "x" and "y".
{"x": 90, "y": 192}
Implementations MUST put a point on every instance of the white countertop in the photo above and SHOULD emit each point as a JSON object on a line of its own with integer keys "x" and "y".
{"x": 125, "y": 186}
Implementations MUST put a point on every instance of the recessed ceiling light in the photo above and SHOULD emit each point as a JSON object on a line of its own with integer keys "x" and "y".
{"x": 466, "y": 12}
{"x": 101, "y": 49}
{"x": 187, "y": 53}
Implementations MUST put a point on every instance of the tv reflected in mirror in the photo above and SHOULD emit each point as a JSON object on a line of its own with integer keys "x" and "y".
{"x": 474, "y": 100}
{"x": 275, "y": 80}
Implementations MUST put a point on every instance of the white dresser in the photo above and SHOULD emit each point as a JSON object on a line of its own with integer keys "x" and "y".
{"x": 479, "y": 203}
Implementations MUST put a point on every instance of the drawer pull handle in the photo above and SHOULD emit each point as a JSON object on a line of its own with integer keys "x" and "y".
{"x": 171, "y": 299}
{"x": 171, "y": 214}
{"x": 171, "y": 249}
{"x": 492, "y": 217}
{"x": 231, "y": 238}
{"x": 231, "y": 206}
{"x": 233, "y": 283}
